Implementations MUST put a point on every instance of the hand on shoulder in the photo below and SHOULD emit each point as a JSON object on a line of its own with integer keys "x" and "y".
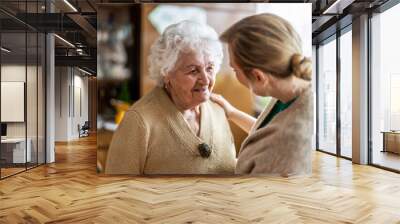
{"x": 220, "y": 100}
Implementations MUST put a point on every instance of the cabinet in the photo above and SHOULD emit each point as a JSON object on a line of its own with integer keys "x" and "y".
{"x": 13, "y": 150}
{"x": 391, "y": 141}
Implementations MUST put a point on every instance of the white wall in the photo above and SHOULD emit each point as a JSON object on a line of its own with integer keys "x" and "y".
{"x": 16, "y": 73}
{"x": 71, "y": 94}
{"x": 62, "y": 81}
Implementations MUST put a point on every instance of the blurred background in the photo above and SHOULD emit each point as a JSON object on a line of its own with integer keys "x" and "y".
{"x": 126, "y": 33}
{"x": 53, "y": 51}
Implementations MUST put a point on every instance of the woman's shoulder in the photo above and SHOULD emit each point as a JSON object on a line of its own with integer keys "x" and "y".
{"x": 304, "y": 104}
{"x": 298, "y": 116}
{"x": 150, "y": 101}
{"x": 152, "y": 107}
{"x": 215, "y": 108}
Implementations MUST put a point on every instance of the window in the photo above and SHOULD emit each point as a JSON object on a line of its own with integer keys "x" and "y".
{"x": 327, "y": 97}
{"x": 385, "y": 89}
{"x": 22, "y": 74}
{"x": 346, "y": 94}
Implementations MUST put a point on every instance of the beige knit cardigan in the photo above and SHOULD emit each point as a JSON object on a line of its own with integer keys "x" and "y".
{"x": 154, "y": 138}
{"x": 283, "y": 146}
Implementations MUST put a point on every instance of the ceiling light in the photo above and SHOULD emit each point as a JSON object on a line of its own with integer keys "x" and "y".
{"x": 79, "y": 51}
{"x": 65, "y": 41}
{"x": 70, "y": 5}
{"x": 337, "y": 7}
{"x": 5, "y": 50}
{"x": 84, "y": 71}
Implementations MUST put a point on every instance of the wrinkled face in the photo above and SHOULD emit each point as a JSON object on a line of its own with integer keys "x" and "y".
{"x": 192, "y": 79}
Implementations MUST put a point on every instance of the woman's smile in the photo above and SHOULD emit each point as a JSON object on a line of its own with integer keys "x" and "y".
{"x": 201, "y": 89}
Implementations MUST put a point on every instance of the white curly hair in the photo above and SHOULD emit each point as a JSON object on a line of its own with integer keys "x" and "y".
{"x": 183, "y": 37}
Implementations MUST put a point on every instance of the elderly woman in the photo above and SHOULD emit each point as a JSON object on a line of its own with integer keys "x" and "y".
{"x": 265, "y": 53}
{"x": 175, "y": 129}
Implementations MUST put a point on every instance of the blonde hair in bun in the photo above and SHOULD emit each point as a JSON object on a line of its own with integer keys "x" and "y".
{"x": 301, "y": 66}
{"x": 269, "y": 43}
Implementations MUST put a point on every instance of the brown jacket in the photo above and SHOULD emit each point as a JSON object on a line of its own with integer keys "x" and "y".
{"x": 154, "y": 138}
{"x": 283, "y": 146}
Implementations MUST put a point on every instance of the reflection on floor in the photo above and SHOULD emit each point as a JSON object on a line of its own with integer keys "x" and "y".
{"x": 387, "y": 159}
{"x": 70, "y": 191}
{"x": 11, "y": 169}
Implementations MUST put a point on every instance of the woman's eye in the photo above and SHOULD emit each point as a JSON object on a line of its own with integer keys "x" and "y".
{"x": 210, "y": 69}
{"x": 194, "y": 71}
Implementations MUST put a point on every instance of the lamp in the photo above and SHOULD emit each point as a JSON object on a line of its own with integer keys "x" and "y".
{"x": 70, "y": 5}
{"x": 84, "y": 71}
{"x": 65, "y": 41}
{"x": 337, "y": 7}
{"x": 5, "y": 50}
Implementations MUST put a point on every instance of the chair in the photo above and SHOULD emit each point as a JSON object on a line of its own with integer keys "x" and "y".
{"x": 84, "y": 130}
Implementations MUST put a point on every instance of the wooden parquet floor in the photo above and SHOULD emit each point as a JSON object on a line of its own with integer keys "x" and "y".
{"x": 70, "y": 191}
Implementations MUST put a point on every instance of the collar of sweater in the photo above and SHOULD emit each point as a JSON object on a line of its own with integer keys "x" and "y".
{"x": 299, "y": 100}
{"x": 179, "y": 125}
